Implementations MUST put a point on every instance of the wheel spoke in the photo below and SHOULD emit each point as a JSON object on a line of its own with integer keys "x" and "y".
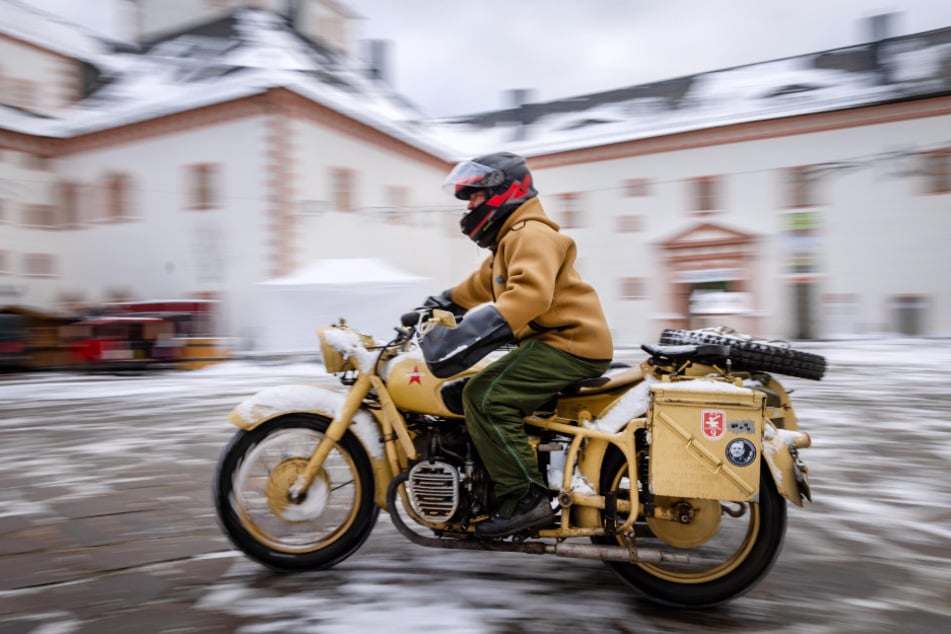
{"x": 266, "y": 474}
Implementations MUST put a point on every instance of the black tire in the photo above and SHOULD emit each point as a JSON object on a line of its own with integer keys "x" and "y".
{"x": 680, "y": 586}
{"x": 748, "y": 354}
{"x": 331, "y": 522}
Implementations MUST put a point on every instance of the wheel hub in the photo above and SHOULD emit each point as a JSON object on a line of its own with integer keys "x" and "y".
{"x": 279, "y": 499}
{"x": 693, "y": 522}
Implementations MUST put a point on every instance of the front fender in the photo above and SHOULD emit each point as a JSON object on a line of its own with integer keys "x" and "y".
{"x": 310, "y": 399}
{"x": 780, "y": 448}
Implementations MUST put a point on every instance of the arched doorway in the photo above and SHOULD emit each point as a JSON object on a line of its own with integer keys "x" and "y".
{"x": 711, "y": 280}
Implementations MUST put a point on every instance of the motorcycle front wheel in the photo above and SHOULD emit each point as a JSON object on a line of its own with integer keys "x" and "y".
{"x": 738, "y": 544}
{"x": 252, "y": 495}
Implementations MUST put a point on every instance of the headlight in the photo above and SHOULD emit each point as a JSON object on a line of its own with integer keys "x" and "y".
{"x": 339, "y": 345}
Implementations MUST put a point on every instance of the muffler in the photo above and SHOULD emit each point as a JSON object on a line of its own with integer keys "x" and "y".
{"x": 616, "y": 553}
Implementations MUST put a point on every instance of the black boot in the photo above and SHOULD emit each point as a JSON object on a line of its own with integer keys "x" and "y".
{"x": 532, "y": 511}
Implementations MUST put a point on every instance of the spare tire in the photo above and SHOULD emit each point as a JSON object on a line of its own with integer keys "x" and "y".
{"x": 752, "y": 354}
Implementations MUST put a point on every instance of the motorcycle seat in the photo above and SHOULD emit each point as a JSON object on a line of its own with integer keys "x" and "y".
{"x": 605, "y": 382}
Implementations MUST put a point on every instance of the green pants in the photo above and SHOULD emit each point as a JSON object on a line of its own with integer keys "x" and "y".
{"x": 498, "y": 398}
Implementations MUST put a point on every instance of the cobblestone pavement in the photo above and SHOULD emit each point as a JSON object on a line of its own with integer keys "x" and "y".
{"x": 107, "y": 525}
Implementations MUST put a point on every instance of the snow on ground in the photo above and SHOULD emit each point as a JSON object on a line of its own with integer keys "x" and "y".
{"x": 869, "y": 554}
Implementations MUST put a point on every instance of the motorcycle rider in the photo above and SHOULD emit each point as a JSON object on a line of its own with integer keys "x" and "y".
{"x": 528, "y": 292}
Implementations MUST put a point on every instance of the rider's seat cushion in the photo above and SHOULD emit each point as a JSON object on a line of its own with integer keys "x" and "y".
{"x": 614, "y": 378}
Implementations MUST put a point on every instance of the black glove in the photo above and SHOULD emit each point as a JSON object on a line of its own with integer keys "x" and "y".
{"x": 449, "y": 351}
{"x": 443, "y": 301}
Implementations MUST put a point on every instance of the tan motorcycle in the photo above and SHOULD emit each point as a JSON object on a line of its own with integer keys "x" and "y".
{"x": 674, "y": 472}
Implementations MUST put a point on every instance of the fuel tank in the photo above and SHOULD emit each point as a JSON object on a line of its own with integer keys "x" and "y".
{"x": 414, "y": 388}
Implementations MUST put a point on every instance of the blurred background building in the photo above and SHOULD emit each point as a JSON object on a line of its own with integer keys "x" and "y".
{"x": 221, "y": 147}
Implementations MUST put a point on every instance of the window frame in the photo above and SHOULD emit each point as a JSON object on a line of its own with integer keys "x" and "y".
{"x": 204, "y": 186}
{"x": 636, "y": 187}
{"x": 570, "y": 214}
{"x": 936, "y": 170}
{"x": 343, "y": 189}
{"x": 629, "y": 223}
{"x": 801, "y": 187}
{"x": 117, "y": 190}
{"x": 632, "y": 288}
{"x": 706, "y": 194}
{"x": 46, "y": 261}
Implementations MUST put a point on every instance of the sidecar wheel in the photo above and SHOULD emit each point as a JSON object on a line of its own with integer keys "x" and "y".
{"x": 730, "y": 563}
{"x": 254, "y": 475}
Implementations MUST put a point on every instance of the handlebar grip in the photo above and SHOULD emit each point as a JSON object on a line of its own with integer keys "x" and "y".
{"x": 410, "y": 319}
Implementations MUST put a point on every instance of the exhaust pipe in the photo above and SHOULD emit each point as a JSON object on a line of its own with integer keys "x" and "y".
{"x": 562, "y": 549}
{"x": 616, "y": 553}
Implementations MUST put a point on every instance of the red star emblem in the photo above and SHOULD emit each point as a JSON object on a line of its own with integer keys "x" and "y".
{"x": 415, "y": 375}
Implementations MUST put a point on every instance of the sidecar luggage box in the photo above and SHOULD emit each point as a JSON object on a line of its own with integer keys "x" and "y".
{"x": 706, "y": 440}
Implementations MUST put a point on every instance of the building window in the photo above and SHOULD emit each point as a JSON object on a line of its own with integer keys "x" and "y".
{"x": 397, "y": 203}
{"x": 19, "y": 93}
{"x": 3, "y": 211}
{"x": 4, "y": 262}
{"x": 803, "y": 245}
{"x": 117, "y": 196}
{"x": 633, "y": 288}
{"x": 936, "y": 167}
{"x": 635, "y": 187}
{"x": 34, "y": 162}
{"x": 342, "y": 190}
{"x": 910, "y": 313}
{"x": 204, "y": 186}
{"x": 570, "y": 214}
{"x": 39, "y": 265}
{"x": 802, "y": 186}
{"x": 69, "y": 204}
{"x": 706, "y": 193}
{"x": 628, "y": 223}
{"x": 39, "y": 216}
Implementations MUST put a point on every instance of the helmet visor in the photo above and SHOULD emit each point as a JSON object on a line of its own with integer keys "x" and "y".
{"x": 467, "y": 176}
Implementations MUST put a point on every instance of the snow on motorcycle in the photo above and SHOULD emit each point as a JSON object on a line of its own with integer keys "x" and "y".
{"x": 674, "y": 472}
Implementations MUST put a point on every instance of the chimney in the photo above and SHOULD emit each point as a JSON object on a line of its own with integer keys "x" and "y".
{"x": 879, "y": 28}
{"x": 293, "y": 9}
{"x": 379, "y": 60}
{"x": 518, "y": 111}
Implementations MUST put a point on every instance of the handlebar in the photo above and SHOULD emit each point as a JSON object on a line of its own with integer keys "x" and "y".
{"x": 411, "y": 318}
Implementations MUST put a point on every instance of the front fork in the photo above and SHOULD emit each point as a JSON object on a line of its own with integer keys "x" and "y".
{"x": 335, "y": 431}
{"x": 392, "y": 425}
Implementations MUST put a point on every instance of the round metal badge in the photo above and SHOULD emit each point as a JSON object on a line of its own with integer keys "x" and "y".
{"x": 741, "y": 452}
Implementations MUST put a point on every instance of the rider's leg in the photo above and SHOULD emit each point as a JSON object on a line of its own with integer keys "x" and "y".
{"x": 497, "y": 399}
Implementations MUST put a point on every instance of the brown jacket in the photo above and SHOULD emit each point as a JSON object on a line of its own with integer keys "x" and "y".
{"x": 532, "y": 281}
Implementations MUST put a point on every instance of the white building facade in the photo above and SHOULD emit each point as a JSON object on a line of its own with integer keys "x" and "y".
{"x": 794, "y": 221}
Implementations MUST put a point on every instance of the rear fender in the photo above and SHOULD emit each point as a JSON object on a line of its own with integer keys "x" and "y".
{"x": 319, "y": 400}
{"x": 781, "y": 450}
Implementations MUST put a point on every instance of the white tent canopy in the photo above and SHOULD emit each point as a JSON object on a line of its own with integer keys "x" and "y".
{"x": 368, "y": 293}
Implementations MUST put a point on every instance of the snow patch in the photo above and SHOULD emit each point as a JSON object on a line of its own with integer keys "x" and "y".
{"x": 286, "y": 399}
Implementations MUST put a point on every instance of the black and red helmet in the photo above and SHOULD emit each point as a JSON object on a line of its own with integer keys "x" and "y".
{"x": 507, "y": 183}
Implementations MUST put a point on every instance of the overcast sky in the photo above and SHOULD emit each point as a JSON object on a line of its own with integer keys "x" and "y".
{"x": 460, "y": 56}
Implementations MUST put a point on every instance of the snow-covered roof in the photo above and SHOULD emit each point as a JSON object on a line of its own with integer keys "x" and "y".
{"x": 900, "y": 68}
{"x": 252, "y": 51}
{"x": 29, "y": 24}
{"x": 245, "y": 54}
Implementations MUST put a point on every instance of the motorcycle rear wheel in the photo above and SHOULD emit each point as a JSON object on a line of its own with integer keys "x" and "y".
{"x": 251, "y": 485}
{"x": 727, "y": 566}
